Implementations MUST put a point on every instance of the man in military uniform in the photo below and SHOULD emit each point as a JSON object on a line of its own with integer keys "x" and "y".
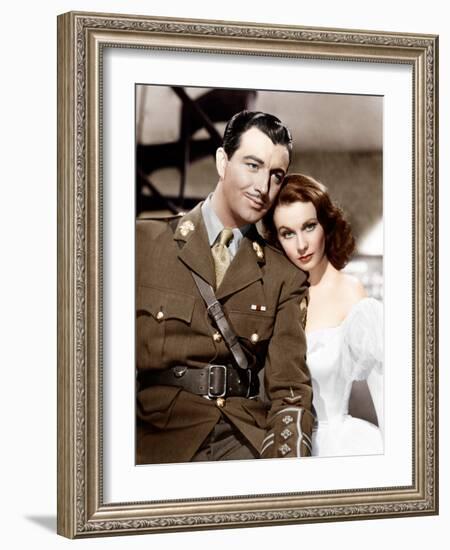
{"x": 197, "y": 389}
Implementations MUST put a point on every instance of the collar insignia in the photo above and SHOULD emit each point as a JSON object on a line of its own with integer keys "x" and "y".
{"x": 303, "y": 311}
{"x": 259, "y": 251}
{"x": 186, "y": 227}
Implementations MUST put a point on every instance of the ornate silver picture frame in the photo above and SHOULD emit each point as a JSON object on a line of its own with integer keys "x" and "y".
{"x": 83, "y": 509}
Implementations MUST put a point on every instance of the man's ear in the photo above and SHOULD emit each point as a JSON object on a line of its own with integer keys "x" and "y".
{"x": 221, "y": 161}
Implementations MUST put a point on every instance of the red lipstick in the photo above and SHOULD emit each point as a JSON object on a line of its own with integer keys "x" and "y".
{"x": 305, "y": 258}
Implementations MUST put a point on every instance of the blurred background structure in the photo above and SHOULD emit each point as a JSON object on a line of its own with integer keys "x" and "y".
{"x": 338, "y": 139}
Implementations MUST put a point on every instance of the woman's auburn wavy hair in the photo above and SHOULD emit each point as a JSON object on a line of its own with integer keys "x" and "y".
{"x": 339, "y": 241}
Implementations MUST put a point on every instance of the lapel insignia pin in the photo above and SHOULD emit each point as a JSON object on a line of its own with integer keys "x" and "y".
{"x": 303, "y": 311}
{"x": 259, "y": 251}
{"x": 303, "y": 304}
{"x": 257, "y": 307}
{"x": 186, "y": 227}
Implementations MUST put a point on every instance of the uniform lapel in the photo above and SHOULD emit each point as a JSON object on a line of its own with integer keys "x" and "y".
{"x": 245, "y": 267}
{"x": 195, "y": 253}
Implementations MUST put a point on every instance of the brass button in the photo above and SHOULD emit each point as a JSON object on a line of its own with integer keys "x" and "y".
{"x": 254, "y": 338}
{"x": 217, "y": 337}
{"x": 160, "y": 315}
{"x": 220, "y": 402}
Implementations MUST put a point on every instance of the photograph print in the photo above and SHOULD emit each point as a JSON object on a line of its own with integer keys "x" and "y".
{"x": 259, "y": 274}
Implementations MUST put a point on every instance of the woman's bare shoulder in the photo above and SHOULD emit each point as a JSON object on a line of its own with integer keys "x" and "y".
{"x": 351, "y": 289}
{"x": 331, "y": 303}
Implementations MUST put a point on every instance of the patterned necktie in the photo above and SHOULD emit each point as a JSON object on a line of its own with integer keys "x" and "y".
{"x": 221, "y": 254}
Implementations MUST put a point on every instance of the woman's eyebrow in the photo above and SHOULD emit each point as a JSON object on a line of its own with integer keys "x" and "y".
{"x": 304, "y": 224}
{"x": 307, "y": 222}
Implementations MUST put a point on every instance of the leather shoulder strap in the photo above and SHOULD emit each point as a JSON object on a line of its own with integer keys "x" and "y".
{"x": 215, "y": 311}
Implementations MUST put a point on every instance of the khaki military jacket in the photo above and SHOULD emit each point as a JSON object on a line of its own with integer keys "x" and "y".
{"x": 173, "y": 328}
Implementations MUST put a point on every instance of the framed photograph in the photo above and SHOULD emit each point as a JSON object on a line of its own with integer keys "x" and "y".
{"x": 142, "y": 107}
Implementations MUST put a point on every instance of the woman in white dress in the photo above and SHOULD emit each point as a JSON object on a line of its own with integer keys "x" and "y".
{"x": 343, "y": 325}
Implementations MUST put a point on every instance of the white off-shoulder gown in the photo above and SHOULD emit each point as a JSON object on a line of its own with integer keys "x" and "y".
{"x": 336, "y": 357}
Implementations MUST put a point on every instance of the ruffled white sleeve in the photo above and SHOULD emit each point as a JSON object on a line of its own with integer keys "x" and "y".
{"x": 363, "y": 350}
{"x": 363, "y": 339}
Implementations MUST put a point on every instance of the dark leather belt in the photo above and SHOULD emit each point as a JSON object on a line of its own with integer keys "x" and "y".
{"x": 211, "y": 381}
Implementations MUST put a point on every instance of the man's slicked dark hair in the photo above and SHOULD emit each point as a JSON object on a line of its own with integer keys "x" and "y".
{"x": 269, "y": 124}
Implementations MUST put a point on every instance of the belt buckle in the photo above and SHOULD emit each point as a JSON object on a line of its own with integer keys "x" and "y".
{"x": 214, "y": 379}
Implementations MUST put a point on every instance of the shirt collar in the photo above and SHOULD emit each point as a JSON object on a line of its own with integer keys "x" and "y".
{"x": 214, "y": 226}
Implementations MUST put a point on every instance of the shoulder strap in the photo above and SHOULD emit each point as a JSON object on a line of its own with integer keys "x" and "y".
{"x": 215, "y": 311}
